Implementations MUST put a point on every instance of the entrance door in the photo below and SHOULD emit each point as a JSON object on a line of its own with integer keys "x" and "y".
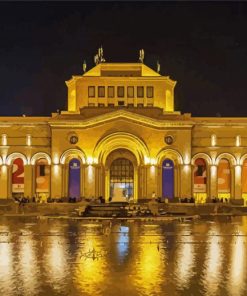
{"x": 168, "y": 178}
{"x": 74, "y": 178}
{"x": 121, "y": 179}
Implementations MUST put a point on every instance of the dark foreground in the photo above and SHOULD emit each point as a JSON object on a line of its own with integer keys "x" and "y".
{"x": 73, "y": 257}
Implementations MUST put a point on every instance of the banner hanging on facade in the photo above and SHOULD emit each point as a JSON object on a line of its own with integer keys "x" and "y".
{"x": 200, "y": 175}
{"x": 168, "y": 178}
{"x": 18, "y": 175}
{"x": 42, "y": 176}
{"x": 74, "y": 178}
{"x": 224, "y": 176}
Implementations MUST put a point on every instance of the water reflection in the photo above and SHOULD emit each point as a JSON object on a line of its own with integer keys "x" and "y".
{"x": 74, "y": 258}
{"x": 6, "y": 263}
{"x": 237, "y": 272}
{"x": 185, "y": 259}
{"x": 213, "y": 262}
{"x": 150, "y": 263}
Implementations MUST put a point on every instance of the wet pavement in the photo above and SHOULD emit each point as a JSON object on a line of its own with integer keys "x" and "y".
{"x": 75, "y": 257}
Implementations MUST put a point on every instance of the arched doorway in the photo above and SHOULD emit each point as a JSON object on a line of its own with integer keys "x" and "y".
{"x": 18, "y": 178}
{"x": 168, "y": 178}
{"x": 74, "y": 189}
{"x": 121, "y": 179}
{"x": 224, "y": 179}
{"x": 42, "y": 177}
{"x": 200, "y": 180}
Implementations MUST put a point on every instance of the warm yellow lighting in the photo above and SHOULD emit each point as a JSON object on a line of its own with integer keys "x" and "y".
{"x": 238, "y": 170}
{"x": 213, "y": 140}
{"x": 29, "y": 140}
{"x": 186, "y": 159}
{"x": 56, "y": 159}
{"x": 4, "y": 140}
{"x": 90, "y": 173}
{"x": 213, "y": 263}
{"x": 146, "y": 160}
{"x": 152, "y": 161}
{"x": 213, "y": 170}
{"x": 238, "y": 141}
{"x": 56, "y": 169}
{"x": 186, "y": 168}
{"x": 89, "y": 160}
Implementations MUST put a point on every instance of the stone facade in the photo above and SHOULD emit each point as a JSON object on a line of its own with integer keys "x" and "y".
{"x": 121, "y": 117}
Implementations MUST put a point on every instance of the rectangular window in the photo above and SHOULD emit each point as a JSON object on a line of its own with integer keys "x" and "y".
{"x": 110, "y": 91}
{"x": 121, "y": 103}
{"x": 120, "y": 91}
{"x": 130, "y": 105}
{"x": 91, "y": 92}
{"x": 140, "y": 91}
{"x": 150, "y": 92}
{"x": 101, "y": 91}
{"x": 130, "y": 91}
{"x": 101, "y": 105}
{"x": 110, "y": 105}
{"x": 140, "y": 105}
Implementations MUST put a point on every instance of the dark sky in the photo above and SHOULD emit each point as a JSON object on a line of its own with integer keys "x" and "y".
{"x": 201, "y": 45}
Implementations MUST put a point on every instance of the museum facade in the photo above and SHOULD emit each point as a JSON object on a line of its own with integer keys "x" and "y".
{"x": 122, "y": 137}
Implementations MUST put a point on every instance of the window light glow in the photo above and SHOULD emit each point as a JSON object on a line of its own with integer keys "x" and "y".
{"x": 238, "y": 141}
{"x": 4, "y": 140}
{"x": 213, "y": 140}
{"x": 29, "y": 140}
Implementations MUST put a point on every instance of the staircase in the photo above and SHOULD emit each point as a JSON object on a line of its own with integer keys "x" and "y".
{"x": 112, "y": 209}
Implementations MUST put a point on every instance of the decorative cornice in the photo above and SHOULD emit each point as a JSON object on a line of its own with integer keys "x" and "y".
{"x": 120, "y": 114}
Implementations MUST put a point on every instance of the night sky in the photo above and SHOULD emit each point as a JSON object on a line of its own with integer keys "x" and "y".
{"x": 201, "y": 45}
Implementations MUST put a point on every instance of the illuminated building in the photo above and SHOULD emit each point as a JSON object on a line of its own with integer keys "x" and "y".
{"x": 121, "y": 136}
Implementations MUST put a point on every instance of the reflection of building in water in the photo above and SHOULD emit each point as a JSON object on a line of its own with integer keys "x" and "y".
{"x": 121, "y": 137}
{"x": 184, "y": 259}
{"x": 237, "y": 267}
{"x": 213, "y": 268}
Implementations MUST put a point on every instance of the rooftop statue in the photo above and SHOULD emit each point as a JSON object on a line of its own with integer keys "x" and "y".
{"x": 98, "y": 58}
{"x": 141, "y": 55}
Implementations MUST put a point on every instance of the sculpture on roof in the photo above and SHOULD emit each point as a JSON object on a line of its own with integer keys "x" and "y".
{"x": 158, "y": 66}
{"x": 141, "y": 55}
{"x": 98, "y": 58}
{"x": 84, "y": 66}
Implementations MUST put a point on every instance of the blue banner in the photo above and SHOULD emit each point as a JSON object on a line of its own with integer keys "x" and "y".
{"x": 168, "y": 178}
{"x": 74, "y": 178}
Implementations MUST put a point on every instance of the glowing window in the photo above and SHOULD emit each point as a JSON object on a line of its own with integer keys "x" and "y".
{"x": 140, "y": 91}
{"x": 91, "y": 92}
{"x": 238, "y": 141}
{"x": 130, "y": 91}
{"x": 101, "y": 91}
{"x": 213, "y": 140}
{"x": 4, "y": 139}
{"x": 29, "y": 140}
{"x": 110, "y": 91}
{"x": 120, "y": 91}
{"x": 150, "y": 92}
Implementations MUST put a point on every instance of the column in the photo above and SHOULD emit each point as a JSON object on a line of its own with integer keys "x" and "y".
{"x": 185, "y": 181}
{"x": 90, "y": 181}
{"x": 213, "y": 182}
{"x": 56, "y": 180}
{"x": 28, "y": 181}
{"x": 3, "y": 181}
